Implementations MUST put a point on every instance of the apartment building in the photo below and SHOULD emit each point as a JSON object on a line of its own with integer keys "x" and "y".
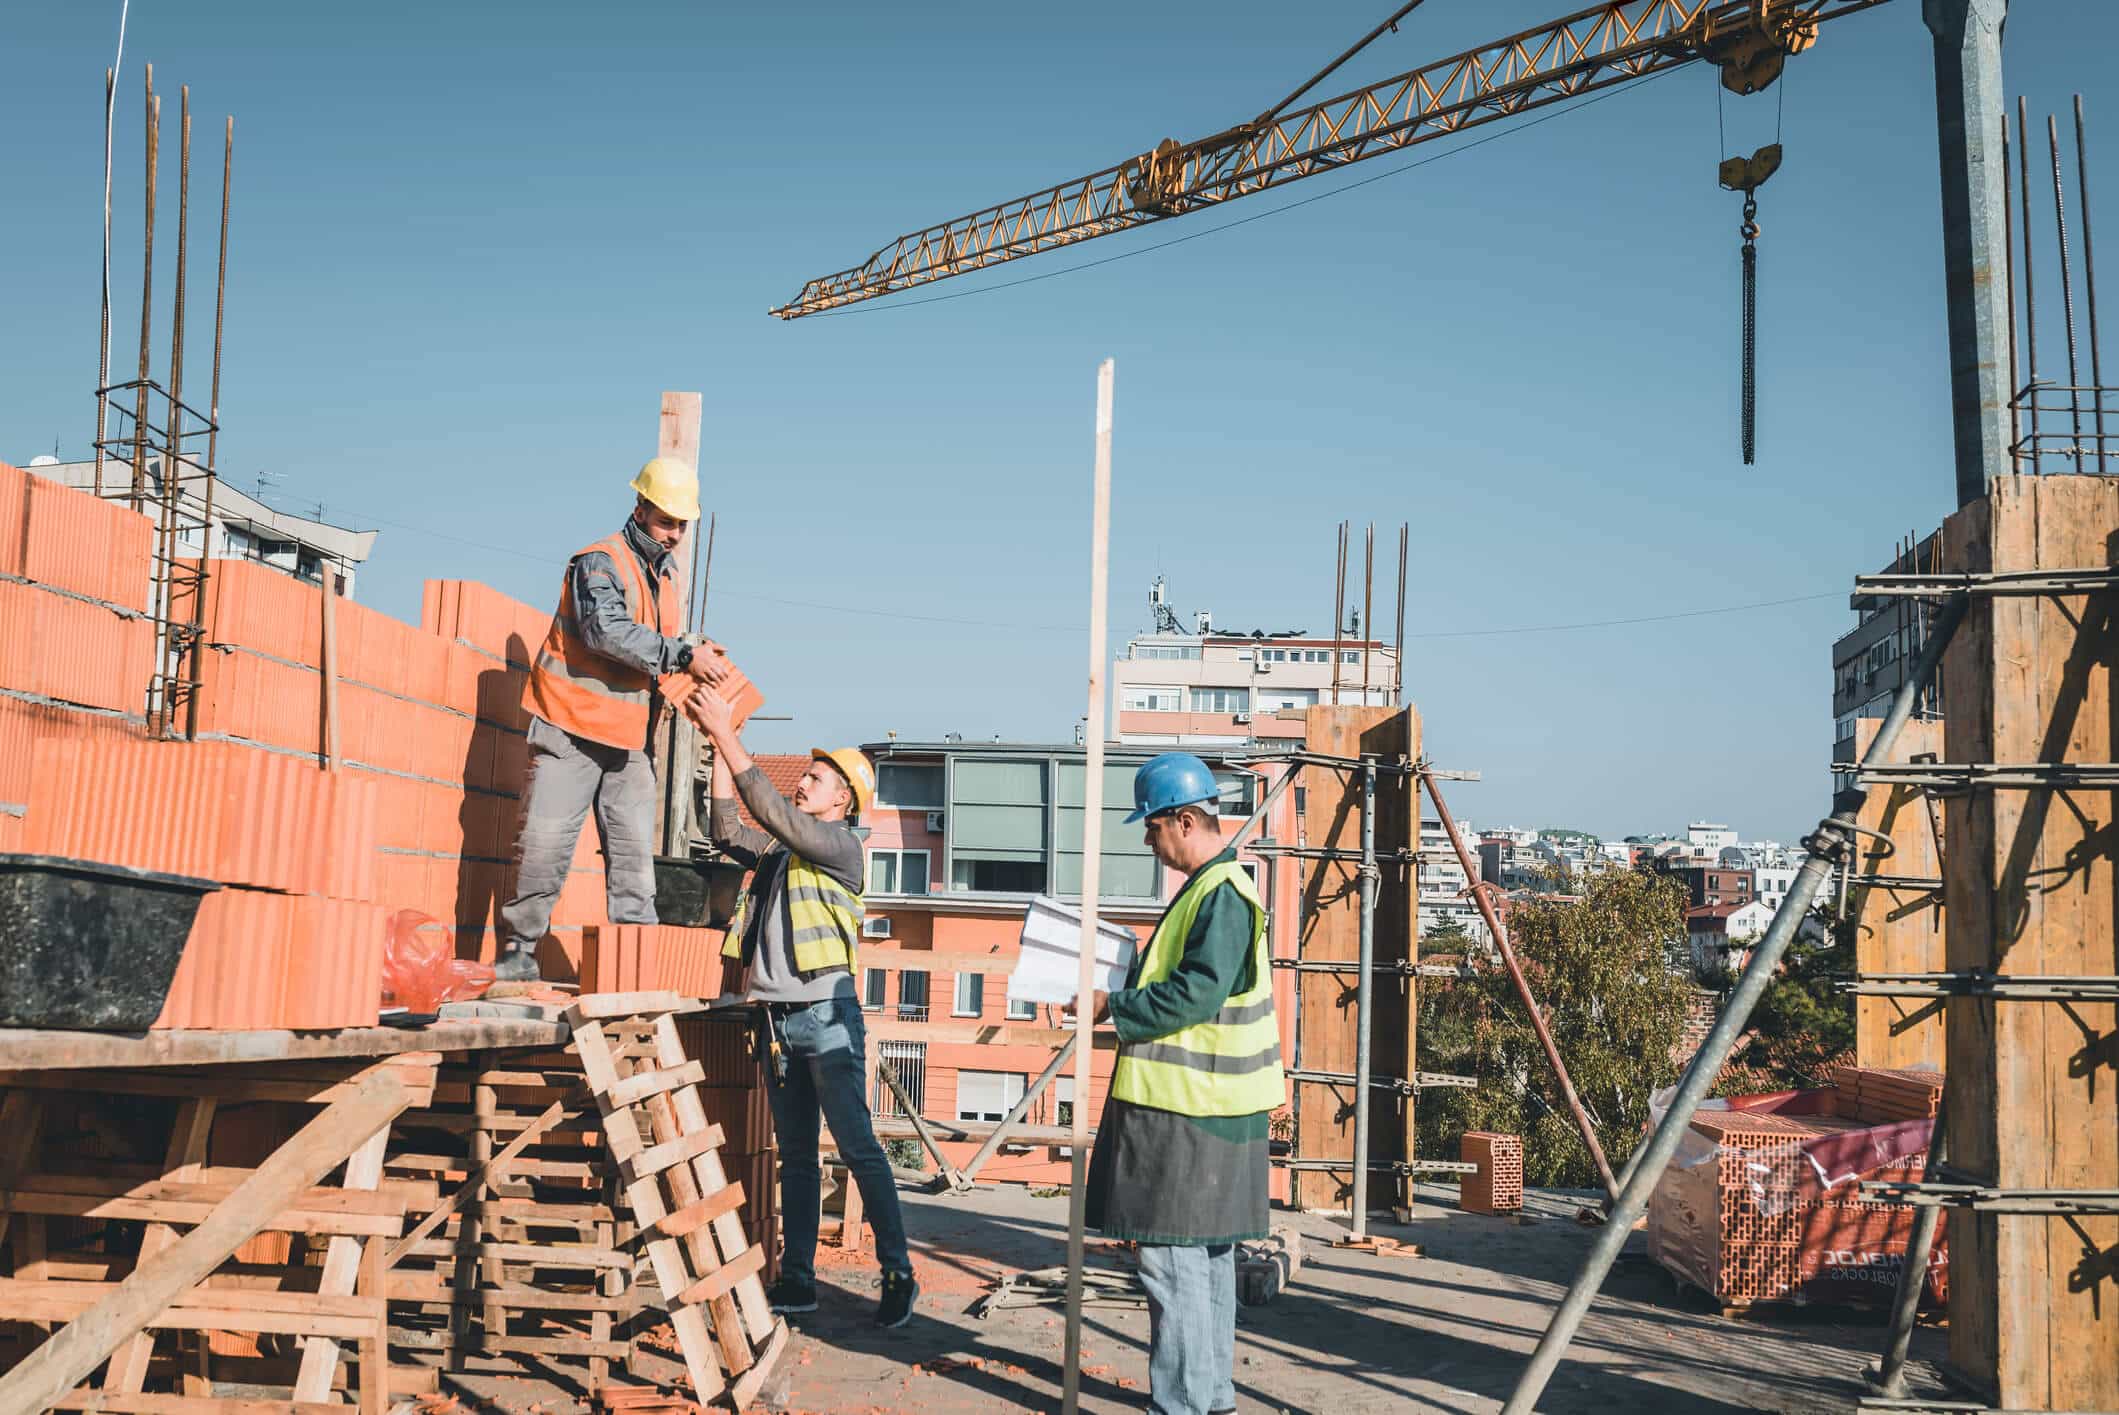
{"x": 962, "y": 835}
{"x": 1721, "y": 935}
{"x": 1445, "y": 887}
{"x": 1709, "y": 884}
{"x": 1210, "y": 688}
{"x": 1870, "y": 661}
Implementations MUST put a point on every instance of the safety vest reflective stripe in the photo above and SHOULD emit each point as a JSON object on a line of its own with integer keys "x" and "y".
{"x": 579, "y": 690}
{"x": 823, "y": 921}
{"x": 1229, "y": 1064}
{"x": 1205, "y": 1061}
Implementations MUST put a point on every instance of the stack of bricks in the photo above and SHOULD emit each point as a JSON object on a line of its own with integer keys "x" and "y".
{"x": 420, "y": 812}
{"x": 1754, "y": 1221}
{"x": 1496, "y": 1187}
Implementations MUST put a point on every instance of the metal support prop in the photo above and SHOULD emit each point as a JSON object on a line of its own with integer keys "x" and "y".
{"x": 1583, "y": 1126}
{"x": 962, "y": 1181}
{"x": 1363, "y": 988}
{"x": 1889, "y": 1379}
{"x": 946, "y": 1172}
{"x": 1825, "y": 846}
{"x": 1975, "y": 241}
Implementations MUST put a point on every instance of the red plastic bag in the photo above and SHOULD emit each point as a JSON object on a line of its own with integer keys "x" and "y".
{"x": 421, "y": 970}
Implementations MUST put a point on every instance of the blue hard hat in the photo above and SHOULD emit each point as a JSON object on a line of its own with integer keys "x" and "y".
{"x": 1171, "y": 780}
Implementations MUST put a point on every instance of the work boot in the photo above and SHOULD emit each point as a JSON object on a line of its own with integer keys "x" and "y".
{"x": 895, "y": 1309}
{"x": 788, "y": 1295}
{"x": 516, "y": 965}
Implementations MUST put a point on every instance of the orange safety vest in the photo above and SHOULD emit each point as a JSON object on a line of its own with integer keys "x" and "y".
{"x": 579, "y": 690}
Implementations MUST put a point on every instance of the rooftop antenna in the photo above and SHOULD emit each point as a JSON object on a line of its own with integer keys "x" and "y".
{"x": 1159, "y": 607}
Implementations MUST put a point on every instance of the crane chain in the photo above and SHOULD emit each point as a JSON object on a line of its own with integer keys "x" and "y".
{"x": 1749, "y": 231}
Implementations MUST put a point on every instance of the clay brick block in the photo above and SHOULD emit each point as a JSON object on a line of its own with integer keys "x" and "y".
{"x": 335, "y": 977}
{"x": 466, "y": 666}
{"x": 234, "y": 965}
{"x": 426, "y": 668}
{"x": 14, "y": 518}
{"x": 86, "y": 654}
{"x": 1497, "y": 1186}
{"x": 74, "y": 541}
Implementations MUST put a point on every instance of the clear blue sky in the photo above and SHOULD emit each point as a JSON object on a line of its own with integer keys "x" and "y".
{"x": 473, "y": 243}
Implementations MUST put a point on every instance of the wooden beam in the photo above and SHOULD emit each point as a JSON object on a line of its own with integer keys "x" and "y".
{"x": 61, "y": 1363}
{"x": 500, "y": 1165}
{"x": 186, "y": 1153}
{"x": 25, "y": 1050}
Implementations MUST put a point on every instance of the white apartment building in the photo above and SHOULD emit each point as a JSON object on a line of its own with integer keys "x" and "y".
{"x": 1213, "y": 688}
{"x": 1705, "y": 837}
{"x": 1444, "y": 884}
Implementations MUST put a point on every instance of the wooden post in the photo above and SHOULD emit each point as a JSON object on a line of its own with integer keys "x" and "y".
{"x": 188, "y": 1135}
{"x": 56, "y": 1367}
{"x": 1898, "y": 929}
{"x": 342, "y": 1261}
{"x": 1329, "y": 931}
{"x": 2034, "y": 1320}
{"x": 1092, "y": 882}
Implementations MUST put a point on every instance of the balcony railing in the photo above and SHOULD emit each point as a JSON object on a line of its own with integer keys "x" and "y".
{"x": 912, "y": 1012}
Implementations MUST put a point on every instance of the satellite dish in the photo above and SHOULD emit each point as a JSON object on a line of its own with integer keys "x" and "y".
{"x": 45, "y": 461}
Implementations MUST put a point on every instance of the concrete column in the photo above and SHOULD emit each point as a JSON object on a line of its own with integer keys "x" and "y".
{"x": 1969, "y": 103}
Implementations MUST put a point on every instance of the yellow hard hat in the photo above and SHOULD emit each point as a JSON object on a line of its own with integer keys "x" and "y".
{"x": 860, "y": 773}
{"x": 671, "y": 485}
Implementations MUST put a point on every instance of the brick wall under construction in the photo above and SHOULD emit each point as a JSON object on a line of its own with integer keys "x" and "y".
{"x": 420, "y": 812}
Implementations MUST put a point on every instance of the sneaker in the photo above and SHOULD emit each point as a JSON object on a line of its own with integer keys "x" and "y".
{"x": 788, "y": 1295}
{"x": 517, "y": 965}
{"x": 899, "y": 1292}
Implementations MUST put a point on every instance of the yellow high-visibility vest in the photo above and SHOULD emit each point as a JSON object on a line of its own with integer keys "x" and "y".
{"x": 1229, "y": 1064}
{"x": 823, "y": 920}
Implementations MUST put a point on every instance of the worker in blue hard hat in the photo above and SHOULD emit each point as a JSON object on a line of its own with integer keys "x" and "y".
{"x": 1180, "y": 1164}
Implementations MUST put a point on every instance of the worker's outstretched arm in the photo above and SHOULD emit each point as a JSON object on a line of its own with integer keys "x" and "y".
{"x": 829, "y": 845}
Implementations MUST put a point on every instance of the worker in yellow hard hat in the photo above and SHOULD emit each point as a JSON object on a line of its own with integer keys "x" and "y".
{"x": 616, "y": 638}
{"x": 794, "y": 936}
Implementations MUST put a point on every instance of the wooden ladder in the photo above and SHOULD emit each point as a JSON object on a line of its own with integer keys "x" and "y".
{"x": 667, "y": 1160}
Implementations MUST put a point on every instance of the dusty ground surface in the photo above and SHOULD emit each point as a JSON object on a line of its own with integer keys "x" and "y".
{"x": 1446, "y": 1332}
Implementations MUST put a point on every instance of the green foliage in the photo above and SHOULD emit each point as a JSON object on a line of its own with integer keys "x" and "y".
{"x": 1599, "y": 967}
{"x": 1446, "y": 937}
{"x": 1804, "y": 1025}
{"x": 905, "y": 1153}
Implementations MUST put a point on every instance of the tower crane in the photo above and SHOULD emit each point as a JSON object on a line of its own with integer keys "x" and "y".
{"x": 1596, "y": 48}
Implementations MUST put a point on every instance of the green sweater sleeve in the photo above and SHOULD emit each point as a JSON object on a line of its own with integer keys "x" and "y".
{"x": 1217, "y": 964}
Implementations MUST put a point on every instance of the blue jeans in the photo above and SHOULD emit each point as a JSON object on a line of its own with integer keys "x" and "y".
{"x": 1191, "y": 1327}
{"x": 826, "y": 1047}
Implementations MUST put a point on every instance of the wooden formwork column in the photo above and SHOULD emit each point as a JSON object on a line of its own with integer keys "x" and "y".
{"x": 1329, "y": 930}
{"x": 2032, "y": 1088}
{"x": 1898, "y": 927}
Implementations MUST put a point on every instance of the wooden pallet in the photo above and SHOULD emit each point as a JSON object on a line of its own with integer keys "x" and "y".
{"x": 666, "y": 1159}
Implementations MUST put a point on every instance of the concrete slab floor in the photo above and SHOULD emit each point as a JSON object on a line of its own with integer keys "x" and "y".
{"x": 1449, "y": 1331}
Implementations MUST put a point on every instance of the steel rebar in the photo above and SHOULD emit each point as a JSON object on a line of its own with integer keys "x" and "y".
{"x": 1368, "y": 604}
{"x": 110, "y": 100}
{"x": 706, "y": 570}
{"x": 1398, "y": 639}
{"x": 1832, "y": 837}
{"x": 171, "y": 463}
{"x": 2067, "y": 289}
{"x": 2008, "y": 262}
{"x": 1583, "y": 1125}
{"x": 1338, "y": 609}
{"x": 1364, "y": 996}
{"x": 2030, "y": 283}
{"x": 2089, "y": 274}
{"x": 220, "y": 305}
{"x": 147, "y": 289}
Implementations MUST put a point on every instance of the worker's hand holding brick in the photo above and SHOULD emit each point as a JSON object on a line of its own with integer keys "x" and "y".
{"x": 710, "y": 662}
{"x": 711, "y": 713}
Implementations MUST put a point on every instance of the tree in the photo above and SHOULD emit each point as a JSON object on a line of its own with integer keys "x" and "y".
{"x": 1598, "y": 965}
{"x": 1803, "y": 1025}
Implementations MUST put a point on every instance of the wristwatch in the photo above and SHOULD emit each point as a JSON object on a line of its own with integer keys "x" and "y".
{"x": 684, "y": 659}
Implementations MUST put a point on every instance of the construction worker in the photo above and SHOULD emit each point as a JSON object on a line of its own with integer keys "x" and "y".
{"x": 614, "y": 644}
{"x": 795, "y": 933}
{"x": 1180, "y": 1163}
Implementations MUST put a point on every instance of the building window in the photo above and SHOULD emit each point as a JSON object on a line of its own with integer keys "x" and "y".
{"x": 1275, "y": 699}
{"x": 1236, "y": 793}
{"x": 1063, "y": 1100}
{"x": 898, "y": 871}
{"x": 1021, "y": 1010}
{"x": 1179, "y": 651}
{"x": 1149, "y": 697}
{"x": 874, "y": 983}
{"x": 909, "y": 1061}
{"x": 970, "y": 995}
{"x": 903, "y": 786}
{"x": 987, "y": 1095}
{"x": 912, "y": 996}
{"x": 998, "y": 876}
{"x": 1221, "y": 700}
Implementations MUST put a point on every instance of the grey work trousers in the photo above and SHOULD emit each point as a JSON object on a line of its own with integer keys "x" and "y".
{"x": 567, "y": 776}
{"x": 1191, "y": 1327}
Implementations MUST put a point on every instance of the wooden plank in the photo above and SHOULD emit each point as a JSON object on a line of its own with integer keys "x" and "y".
{"x": 61, "y": 1363}
{"x": 22, "y": 1119}
{"x": 185, "y": 1154}
{"x": 501, "y": 1163}
{"x": 410, "y": 1340}
{"x": 342, "y": 1256}
{"x": 24, "y": 1049}
{"x": 188, "y": 1214}
{"x": 685, "y": 1190}
{"x": 720, "y": 1283}
{"x": 434, "y": 1288}
{"x": 693, "y": 1217}
{"x": 1898, "y": 930}
{"x": 88, "y": 1398}
{"x": 674, "y": 1152}
{"x": 635, "y": 1089}
{"x": 746, "y": 1390}
{"x": 756, "y": 1313}
{"x": 610, "y": 1005}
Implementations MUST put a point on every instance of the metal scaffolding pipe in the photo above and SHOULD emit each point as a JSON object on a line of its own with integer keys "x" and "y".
{"x": 1890, "y": 1377}
{"x": 1830, "y": 839}
{"x": 1364, "y": 997}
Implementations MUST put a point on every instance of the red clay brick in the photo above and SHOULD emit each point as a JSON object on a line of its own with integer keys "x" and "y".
{"x": 14, "y": 517}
